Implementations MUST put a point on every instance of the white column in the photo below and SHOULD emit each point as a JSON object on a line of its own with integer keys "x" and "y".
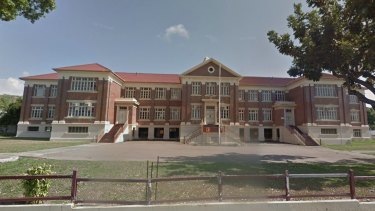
{"x": 166, "y": 132}
{"x": 246, "y": 133}
{"x": 151, "y": 132}
{"x": 261, "y": 133}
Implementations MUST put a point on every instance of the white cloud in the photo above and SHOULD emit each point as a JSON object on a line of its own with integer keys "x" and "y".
{"x": 25, "y": 73}
{"x": 11, "y": 86}
{"x": 176, "y": 30}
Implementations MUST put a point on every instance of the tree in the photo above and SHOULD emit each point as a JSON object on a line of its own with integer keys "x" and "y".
{"x": 335, "y": 36}
{"x": 11, "y": 115}
{"x": 371, "y": 118}
{"x": 29, "y": 9}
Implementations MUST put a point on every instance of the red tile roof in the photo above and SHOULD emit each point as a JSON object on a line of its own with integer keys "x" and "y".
{"x": 85, "y": 67}
{"x": 265, "y": 81}
{"x": 149, "y": 77}
{"x": 50, "y": 76}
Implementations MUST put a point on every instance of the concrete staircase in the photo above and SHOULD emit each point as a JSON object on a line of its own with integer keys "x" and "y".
{"x": 301, "y": 137}
{"x": 110, "y": 136}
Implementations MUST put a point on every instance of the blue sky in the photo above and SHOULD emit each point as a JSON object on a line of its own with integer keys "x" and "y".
{"x": 156, "y": 36}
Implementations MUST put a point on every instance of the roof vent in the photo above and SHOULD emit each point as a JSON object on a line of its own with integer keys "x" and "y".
{"x": 206, "y": 58}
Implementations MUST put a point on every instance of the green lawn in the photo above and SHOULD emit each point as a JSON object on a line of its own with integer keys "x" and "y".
{"x": 10, "y": 144}
{"x": 185, "y": 189}
{"x": 366, "y": 145}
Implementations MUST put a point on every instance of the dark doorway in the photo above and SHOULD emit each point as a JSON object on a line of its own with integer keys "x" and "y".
{"x": 254, "y": 136}
{"x": 268, "y": 133}
{"x": 158, "y": 133}
{"x": 242, "y": 134}
{"x": 143, "y": 133}
{"x": 174, "y": 133}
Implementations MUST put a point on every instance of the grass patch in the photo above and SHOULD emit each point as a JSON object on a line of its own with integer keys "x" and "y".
{"x": 187, "y": 189}
{"x": 11, "y": 145}
{"x": 366, "y": 145}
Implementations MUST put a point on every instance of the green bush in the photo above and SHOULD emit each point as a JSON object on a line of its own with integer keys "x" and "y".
{"x": 37, "y": 187}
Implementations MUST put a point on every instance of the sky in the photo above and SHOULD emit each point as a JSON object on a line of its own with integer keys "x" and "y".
{"x": 147, "y": 36}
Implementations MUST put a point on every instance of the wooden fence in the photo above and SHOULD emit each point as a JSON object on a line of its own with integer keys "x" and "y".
{"x": 219, "y": 178}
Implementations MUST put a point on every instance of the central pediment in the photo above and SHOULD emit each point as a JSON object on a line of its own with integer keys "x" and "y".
{"x": 211, "y": 68}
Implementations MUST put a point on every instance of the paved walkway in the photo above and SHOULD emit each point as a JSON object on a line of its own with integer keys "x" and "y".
{"x": 172, "y": 151}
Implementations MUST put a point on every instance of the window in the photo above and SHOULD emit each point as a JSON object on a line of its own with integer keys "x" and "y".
{"x": 130, "y": 92}
{"x": 241, "y": 95}
{"x": 33, "y": 128}
{"x": 325, "y": 90}
{"x": 326, "y": 113}
{"x": 51, "y": 112}
{"x": 267, "y": 114}
{"x": 354, "y": 115}
{"x": 253, "y": 95}
{"x": 78, "y": 129}
{"x": 81, "y": 109}
{"x": 224, "y": 111}
{"x": 39, "y": 90}
{"x": 253, "y": 115}
{"x": 145, "y": 93}
{"x": 175, "y": 94}
{"x": 225, "y": 89}
{"x": 48, "y": 128}
{"x": 196, "y": 111}
{"x": 279, "y": 95}
{"x": 175, "y": 114}
{"x": 353, "y": 99}
{"x": 210, "y": 88}
{"x": 266, "y": 96}
{"x": 160, "y": 93}
{"x": 144, "y": 113}
{"x": 159, "y": 114}
{"x": 196, "y": 88}
{"x": 36, "y": 111}
{"x": 241, "y": 114}
{"x": 357, "y": 133}
{"x": 53, "y": 91}
{"x": 83, "y": 84}
{"x": 328, "y": 131}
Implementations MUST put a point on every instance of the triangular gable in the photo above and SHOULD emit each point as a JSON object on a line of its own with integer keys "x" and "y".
{"x": 203, "y": 68}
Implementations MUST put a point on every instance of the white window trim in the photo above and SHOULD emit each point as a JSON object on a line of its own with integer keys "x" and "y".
{"x": 159, "y": 111}
{"x": 270, "y": 112}
{"x": 257, "y": 114}
{"x": 145, "y": 90}
{"x": 148, "y": 111}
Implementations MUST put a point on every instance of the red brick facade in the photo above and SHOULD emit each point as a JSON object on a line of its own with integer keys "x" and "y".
{"x": 299, "y": 100}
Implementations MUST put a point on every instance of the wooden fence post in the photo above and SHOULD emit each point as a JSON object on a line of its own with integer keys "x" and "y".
{"x": 73, "y": 193}
{"x": 287, "y": 187}
{"x": 220, "y": 186}
{"x": 351, "y": 183}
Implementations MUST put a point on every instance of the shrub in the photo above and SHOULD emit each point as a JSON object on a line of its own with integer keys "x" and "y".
{"x": 37, "y": 187}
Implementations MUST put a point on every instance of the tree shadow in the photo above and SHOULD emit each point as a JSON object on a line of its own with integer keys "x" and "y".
{"x": 242, "y": 164}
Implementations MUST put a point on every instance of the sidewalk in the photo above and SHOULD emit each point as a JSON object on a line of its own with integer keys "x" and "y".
{"x": 5, "y": 157}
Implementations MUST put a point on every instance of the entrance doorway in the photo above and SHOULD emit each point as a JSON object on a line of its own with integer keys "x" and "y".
{"x": 289, "y": 117}
{"x": 143, "y": 133}
{"x": 174, "y": 133}
{"x": 210, "y": 115}
{"x": 122, "y": 115}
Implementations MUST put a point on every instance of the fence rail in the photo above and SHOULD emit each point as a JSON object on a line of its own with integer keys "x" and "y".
{"x": 220, "y": 179}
